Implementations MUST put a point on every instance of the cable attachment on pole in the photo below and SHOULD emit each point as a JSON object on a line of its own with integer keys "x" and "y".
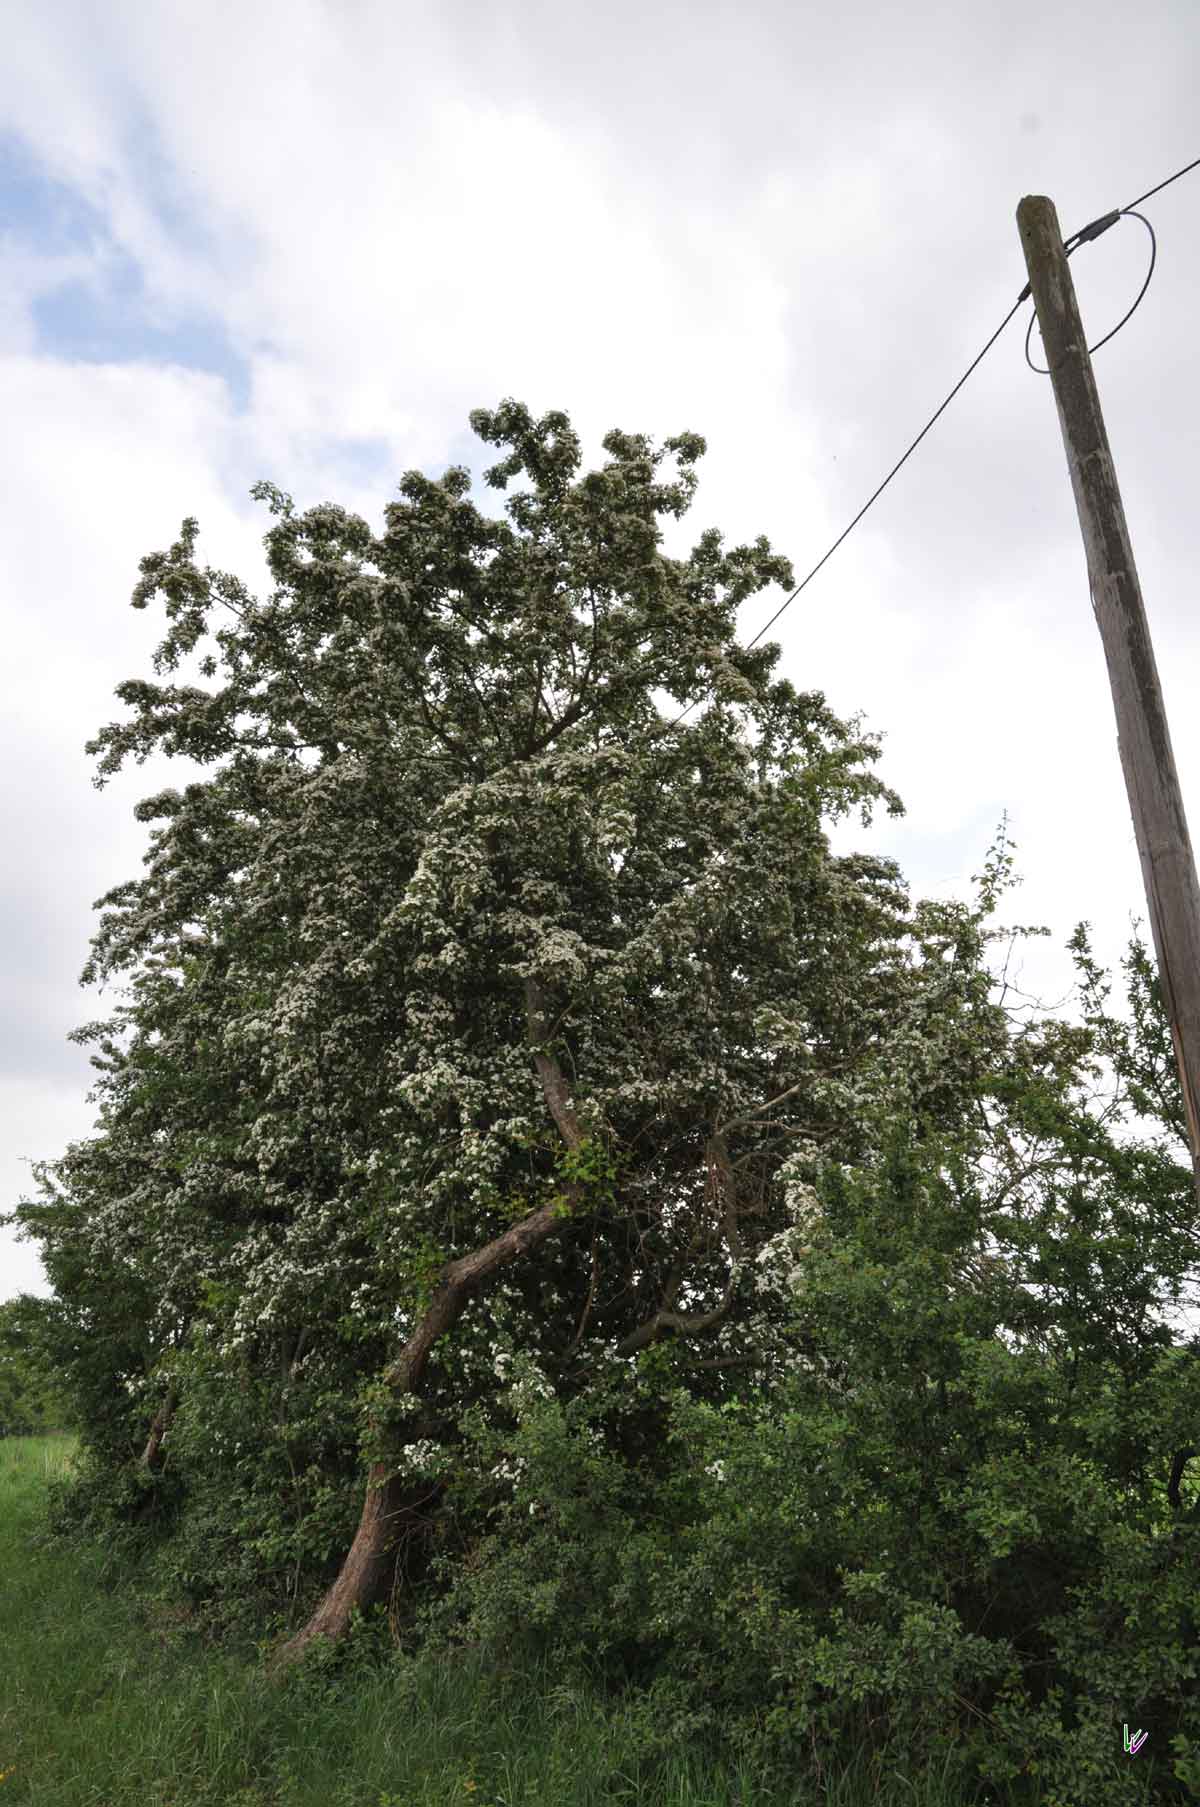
{"x": 1094, "y": 230}
{"x": 1071, "y": 245}
{"x": 1080, "y": 238}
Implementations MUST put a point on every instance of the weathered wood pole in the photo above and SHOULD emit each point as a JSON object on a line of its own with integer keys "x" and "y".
{"x": 1151, "y": 781}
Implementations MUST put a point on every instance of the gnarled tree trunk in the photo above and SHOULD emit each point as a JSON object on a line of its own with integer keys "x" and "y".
{"x": 390, "y": 1514}
{"x": 390, "y": 1509}
{"x": 152, "y": 1456}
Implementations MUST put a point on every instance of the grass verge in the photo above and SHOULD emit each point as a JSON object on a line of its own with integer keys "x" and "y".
{"x": 100, "y": 1706}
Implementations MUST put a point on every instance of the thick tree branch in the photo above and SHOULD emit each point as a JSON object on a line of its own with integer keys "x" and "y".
{"x": 152, "y": 1454}
{"x": 737, "y": 1122}
{"x": 554, "y": 1085}
{"x": 461, "y": 1279}
{"x": 291, "y": 1364}
{"x": 566, "y": 720}
{"x": 1179, "y": 1462}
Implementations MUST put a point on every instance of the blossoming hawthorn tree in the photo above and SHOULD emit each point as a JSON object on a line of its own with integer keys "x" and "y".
{"x": 476, "y": 1008}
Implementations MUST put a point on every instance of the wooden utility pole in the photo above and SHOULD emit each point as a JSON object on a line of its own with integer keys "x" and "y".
{"x": 1151, "y": 781}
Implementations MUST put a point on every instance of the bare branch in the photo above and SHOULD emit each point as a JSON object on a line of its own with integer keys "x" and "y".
{"x": 554, "y": 1085}
{"x": 737, "y": 1122}
{"x": 587, "y": 1308}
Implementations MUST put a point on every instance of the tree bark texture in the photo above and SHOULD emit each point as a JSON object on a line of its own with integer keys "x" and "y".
{"x": 152, "y": 1455}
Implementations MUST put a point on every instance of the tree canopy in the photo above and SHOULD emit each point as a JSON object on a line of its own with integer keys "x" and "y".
{"x": 489, "y": 1038}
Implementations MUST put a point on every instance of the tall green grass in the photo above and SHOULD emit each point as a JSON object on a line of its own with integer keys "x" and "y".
{"x": 105, "y": 1702}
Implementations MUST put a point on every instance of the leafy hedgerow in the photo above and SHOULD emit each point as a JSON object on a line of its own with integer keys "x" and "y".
{"x": 541, "y": 1189}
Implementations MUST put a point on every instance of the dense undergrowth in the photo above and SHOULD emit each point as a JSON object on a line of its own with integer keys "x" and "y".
{"x": 947, "y": 1553}
{"x": 903, "y": 1591}
{"x": 109, "y": 1696}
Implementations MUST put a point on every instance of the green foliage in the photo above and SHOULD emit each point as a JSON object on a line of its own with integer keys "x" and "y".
{"x": 839, "y": 1403}
{"x": 109, "y": 1698}
{"x": 261, "y": 1473}
{"x": 424, "y": 1262}
{"x": 940, "y": 1552}
{"x": 31, "y": 1399}
{"x": 591, "y": 1167}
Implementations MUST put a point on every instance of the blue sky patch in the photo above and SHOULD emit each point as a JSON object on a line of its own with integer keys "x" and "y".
{"x": 107, "y": 317}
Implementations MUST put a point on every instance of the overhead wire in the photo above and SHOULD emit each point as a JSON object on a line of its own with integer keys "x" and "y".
{"x": 1085, "y": 235}
{"x": 1101, "y": 225}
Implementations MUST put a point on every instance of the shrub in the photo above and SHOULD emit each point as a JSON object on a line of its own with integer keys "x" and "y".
{"x": 947, "y": 1554}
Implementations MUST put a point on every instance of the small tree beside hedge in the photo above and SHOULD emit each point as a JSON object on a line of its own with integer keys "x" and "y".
{"x": 30, "y": 1402}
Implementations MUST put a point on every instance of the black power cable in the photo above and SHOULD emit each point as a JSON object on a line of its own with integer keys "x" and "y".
{"x": 1090, "y": 232}
{"x": 1084, "y": 236}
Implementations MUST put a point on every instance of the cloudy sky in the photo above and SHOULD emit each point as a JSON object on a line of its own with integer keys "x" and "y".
{"x": 302, "y": 242}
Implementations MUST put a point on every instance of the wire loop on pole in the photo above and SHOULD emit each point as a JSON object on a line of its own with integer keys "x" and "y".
{"x": 1125, "y": 213}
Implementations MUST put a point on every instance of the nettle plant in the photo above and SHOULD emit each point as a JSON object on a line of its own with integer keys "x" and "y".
{"x": 476, "y": 1010}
